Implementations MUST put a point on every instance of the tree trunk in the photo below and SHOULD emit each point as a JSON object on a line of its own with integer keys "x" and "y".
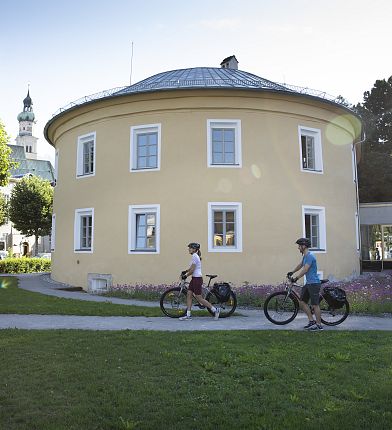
{"x": 36, "y": 246}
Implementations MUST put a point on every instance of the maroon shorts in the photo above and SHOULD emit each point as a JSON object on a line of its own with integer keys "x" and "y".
{"x": 196, "y": 285}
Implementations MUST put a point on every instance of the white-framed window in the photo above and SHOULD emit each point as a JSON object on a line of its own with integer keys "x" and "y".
{"x": 224, "y": 227}
{"x": 145, "y": 148}
{"x": 86, "y": 151}
{"x": 224, "y": 143}
{"x": 53, "y": 233}
{"x": 310, "y": 149}
{"x": 314, "y": 227}
{"x": 84, "y": 230}
{"x": 144, "y": 229}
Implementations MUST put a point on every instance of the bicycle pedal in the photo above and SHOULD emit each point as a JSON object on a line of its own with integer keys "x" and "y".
{"x": 201, "y": 306}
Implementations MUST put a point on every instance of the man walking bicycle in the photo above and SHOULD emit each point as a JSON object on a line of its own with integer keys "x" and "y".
{"x": 311, "y": 289}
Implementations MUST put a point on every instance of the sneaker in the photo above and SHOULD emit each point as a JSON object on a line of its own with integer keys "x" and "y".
{"x": 309, "y": 325}
{"x": 185, "y": 318}
{"x": 316, "y": 327}
{"x": 216, "y": 314}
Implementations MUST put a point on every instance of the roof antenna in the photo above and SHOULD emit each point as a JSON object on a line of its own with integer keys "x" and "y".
{"x": 130, "y": 76}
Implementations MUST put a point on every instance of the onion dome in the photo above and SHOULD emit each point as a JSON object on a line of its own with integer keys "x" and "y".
{"x": 27, "y": 114}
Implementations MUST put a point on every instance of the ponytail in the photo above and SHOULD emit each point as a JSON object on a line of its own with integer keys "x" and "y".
{"x": 199, "y": 254}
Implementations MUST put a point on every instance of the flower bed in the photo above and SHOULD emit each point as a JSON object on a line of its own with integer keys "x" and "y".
{"x": 139, "y": 291}
{"x": 368, "y": 293}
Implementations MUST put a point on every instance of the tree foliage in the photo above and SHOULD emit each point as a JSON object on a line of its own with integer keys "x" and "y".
{"x": 3, "y": 209}
{"x": 375, "y": 167}
{"x": 30, "y": 207}
{"x": 5, "y": 157}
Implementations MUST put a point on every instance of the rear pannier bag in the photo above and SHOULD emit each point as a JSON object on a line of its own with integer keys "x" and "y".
{"x": 222, "y": 290}
{"x": 335, "y": 297}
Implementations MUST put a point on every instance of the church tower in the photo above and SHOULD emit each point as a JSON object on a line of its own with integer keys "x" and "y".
{"x": 25, "y": 137}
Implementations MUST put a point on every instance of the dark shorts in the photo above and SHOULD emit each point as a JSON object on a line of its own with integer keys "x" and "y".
{"x": 196, "y": 285}
{"x": 312, "y": 292}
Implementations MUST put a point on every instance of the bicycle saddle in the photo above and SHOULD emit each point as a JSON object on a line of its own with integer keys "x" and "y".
{"x": 211, "y": 276}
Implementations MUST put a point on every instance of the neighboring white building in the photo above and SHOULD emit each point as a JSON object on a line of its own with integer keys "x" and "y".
{"x": 376, "y": 235}
{"x": 24, "y": 152}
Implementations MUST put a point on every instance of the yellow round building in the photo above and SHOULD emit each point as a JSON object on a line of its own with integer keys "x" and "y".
{"x": 220, "y": 156}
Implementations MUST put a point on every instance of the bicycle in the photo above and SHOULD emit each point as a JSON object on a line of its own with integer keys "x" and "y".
{"x": 173, "y": 300}
{"x": 282, "y": 307}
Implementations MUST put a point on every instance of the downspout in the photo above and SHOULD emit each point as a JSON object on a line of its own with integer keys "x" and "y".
{"x": 363, "y": 138}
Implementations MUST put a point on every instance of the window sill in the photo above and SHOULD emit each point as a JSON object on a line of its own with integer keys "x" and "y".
{"x": 143, "y": 251}
{"x": 224, "y": 249}
{"x": 225, "y": 166}
{"x": 312, "y": 171}
{"x": 85, "y": 175}
{"x": 318, "y": 250}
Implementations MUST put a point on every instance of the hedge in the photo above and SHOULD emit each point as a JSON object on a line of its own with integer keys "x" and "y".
{"x": 25, "y": 265}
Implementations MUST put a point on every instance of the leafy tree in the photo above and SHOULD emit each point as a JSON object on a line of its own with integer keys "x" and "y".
{"x": 375, "y": 167}
{"x": 3, "y": 209}
{"x": 6, "y": 164}
{"x": 30, "y": 207}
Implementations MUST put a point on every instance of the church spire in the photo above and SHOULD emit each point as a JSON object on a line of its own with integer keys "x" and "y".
{"x": 27, "y": 114}
{"x": 26, "y": 119}
{"x": 27, "y": 102}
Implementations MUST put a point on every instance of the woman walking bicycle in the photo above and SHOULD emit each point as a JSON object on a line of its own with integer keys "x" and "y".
{"x": 195, "y": 286}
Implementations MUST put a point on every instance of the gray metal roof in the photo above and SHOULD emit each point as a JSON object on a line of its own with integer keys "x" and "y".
{"x": 41, "y": 168}
{"x": 202, "y": 77}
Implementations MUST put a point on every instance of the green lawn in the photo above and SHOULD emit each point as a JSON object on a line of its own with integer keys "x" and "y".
{"x": 64, "y": 380}
{"x": 14, "y": 300}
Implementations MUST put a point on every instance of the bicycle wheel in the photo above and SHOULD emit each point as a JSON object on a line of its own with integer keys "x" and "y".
{"x": 280, "y": 308}
{"x": 226, "y": 308}
{"x": 173, "y": 302}
{"x": 332, "y": 316}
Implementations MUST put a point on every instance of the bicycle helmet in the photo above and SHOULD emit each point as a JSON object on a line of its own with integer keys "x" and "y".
{"x": 304, "y": 241}
{"x": 194, "y": 245}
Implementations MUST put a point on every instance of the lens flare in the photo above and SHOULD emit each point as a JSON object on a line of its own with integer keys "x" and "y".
{"x": 3, "y": 284}
{"x": 342, "y": 131}
{"x": 256, "y": 171}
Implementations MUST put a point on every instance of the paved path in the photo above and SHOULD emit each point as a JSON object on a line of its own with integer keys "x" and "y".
{"x": 248, "y": 320}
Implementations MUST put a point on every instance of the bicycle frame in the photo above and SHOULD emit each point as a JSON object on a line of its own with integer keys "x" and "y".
{"x": 281, "y": 307}
{"x": 205, "y": 290}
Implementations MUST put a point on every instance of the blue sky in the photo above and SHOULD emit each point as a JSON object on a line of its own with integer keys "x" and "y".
{"x": 71, "y": 49}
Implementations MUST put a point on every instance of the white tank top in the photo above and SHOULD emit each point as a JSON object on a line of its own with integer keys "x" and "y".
{"x": 196, "y": 261}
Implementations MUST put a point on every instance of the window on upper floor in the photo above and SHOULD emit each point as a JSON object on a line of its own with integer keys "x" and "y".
{"x": 145, "y": 147}
{"x": 224, "y": 227}
{"x": 84, "y": 230}
{"x": 143, "y": 229}
{"x": 314, "y": 227}
{"x": 224, "y": 143}
{"x": 86, "y": 150}
{"x": 310, "y": 150}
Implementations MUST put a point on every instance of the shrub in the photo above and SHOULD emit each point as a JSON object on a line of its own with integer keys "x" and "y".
{"x": 25, "y": 265}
